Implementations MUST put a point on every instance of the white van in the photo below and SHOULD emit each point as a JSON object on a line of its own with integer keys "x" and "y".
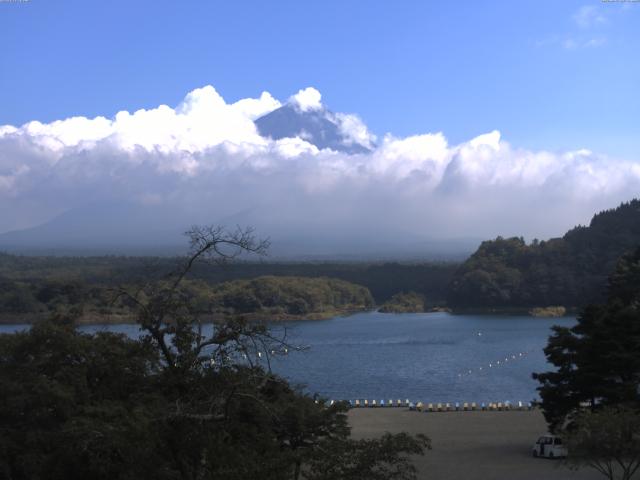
{"x": 549, "y": 446}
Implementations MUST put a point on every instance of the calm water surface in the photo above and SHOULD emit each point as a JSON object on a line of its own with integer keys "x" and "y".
{"x": 433, "y": 357}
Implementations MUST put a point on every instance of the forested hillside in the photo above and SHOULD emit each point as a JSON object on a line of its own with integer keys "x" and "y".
{"x": 569, "y": 271}
{"x": 264, "y": 298}
{"x": 40, "y": 285}
{"x": 281, "y": 297}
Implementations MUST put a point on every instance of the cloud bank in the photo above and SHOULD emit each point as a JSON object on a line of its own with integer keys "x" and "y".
{"x": 205, "y": 161}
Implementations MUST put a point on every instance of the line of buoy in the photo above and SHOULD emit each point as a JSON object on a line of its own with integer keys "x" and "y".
{"x": 473, "y": 406}
{"x": 495, "y": 364}
{"x": 374, "y": 403}
{"x": 437, "y": 407}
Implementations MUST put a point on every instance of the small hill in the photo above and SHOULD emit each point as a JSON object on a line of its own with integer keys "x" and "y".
{"x": 261, "y": 298}
{"x": 570, "y": 271}
{"x": 283, "y": 298}
{"x": 409, "y": 302}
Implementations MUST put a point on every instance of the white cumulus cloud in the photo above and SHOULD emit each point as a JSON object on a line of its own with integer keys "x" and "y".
{"x": 354, "y": 130}
{"x": 307, "y": 99}
{"x": 206, "y": 158}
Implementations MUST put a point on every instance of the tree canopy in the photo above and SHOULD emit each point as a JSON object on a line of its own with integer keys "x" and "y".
{"x": 607, "y": 440}
{"x": 273, "y": 296}
{"x": 32, "y": 288}
{"x": 597, "y": 361}
{"x": 571, "y": 271}
{"x": 409, "y": 302}
{"x": 177, "y": 403}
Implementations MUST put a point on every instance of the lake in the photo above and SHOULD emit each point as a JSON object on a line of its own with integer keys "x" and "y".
{"x": 432, "y": 357}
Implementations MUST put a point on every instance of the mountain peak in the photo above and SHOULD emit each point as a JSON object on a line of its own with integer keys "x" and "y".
{"x": 304, "y": 116}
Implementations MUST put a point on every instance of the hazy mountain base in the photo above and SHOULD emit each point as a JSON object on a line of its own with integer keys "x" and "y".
{"x": 129, "y": 229}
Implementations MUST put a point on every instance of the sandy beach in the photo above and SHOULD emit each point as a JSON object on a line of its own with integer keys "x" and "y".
{"x": 471, "y": 445}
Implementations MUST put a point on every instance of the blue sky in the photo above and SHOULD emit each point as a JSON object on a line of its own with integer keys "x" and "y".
{"x": 547, "y": 74}
{"x": 537, "y": 103}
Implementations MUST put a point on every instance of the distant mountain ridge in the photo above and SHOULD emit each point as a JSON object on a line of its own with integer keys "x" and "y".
{"x": 569, "y": 271}
{"x": 133, "y": 229}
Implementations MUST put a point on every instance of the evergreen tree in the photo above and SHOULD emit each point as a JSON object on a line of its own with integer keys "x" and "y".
{"x": 597, "y": 360}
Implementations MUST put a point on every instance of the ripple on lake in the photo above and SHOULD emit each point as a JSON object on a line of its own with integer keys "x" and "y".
{"x": 417, "y": 356}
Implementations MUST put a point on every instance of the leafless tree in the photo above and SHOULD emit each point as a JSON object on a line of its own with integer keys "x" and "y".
{"x": 167, "y": 315}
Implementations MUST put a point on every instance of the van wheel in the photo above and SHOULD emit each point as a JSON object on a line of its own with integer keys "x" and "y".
{"x": 550, "y": 454}
{"x": 535, "y": 454}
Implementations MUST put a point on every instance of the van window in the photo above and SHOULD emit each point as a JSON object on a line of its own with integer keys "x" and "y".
{"x": 557, "y": 441}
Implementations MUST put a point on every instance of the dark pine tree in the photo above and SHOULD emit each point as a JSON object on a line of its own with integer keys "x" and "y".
{"x": 597, "y": 360}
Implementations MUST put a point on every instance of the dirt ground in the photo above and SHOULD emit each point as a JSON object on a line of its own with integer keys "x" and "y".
{"x": 471, "y": 445}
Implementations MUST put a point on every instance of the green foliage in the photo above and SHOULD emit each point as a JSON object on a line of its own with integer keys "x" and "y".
{"x": 371, "y": 459}
{"x": 597, "y": 360}
{"x": 42, "y": 280}
{"x": 174, "y": 404}
{"x": 409, "y": 302}
{"x": 607, "y": 440}
{"x": 270, "y": 297}
{"x": 569, "y": 271}
{"x": 290, "y": 296}
{"x": 550, "y": 311}
{"x": 104, "y": 406}
{"x": 32, "y": 288}
{"x": 32, "y": 299}
{"x": 73, "y": 405}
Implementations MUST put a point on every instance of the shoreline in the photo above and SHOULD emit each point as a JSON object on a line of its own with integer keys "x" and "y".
{"x": 524, "y": 311}
{"x": 128, "y": 319}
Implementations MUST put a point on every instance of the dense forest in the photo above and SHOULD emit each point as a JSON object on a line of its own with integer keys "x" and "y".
{"x": 34, "y": 287}
{"x": 282, "y": 297}
{"x": 570, "y": 271}
{"x": 382, "y": 279}
{"x": 272, "y": 298}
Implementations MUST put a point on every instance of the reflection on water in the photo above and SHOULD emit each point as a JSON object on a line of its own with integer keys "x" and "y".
{"x": 433, "y": 357}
